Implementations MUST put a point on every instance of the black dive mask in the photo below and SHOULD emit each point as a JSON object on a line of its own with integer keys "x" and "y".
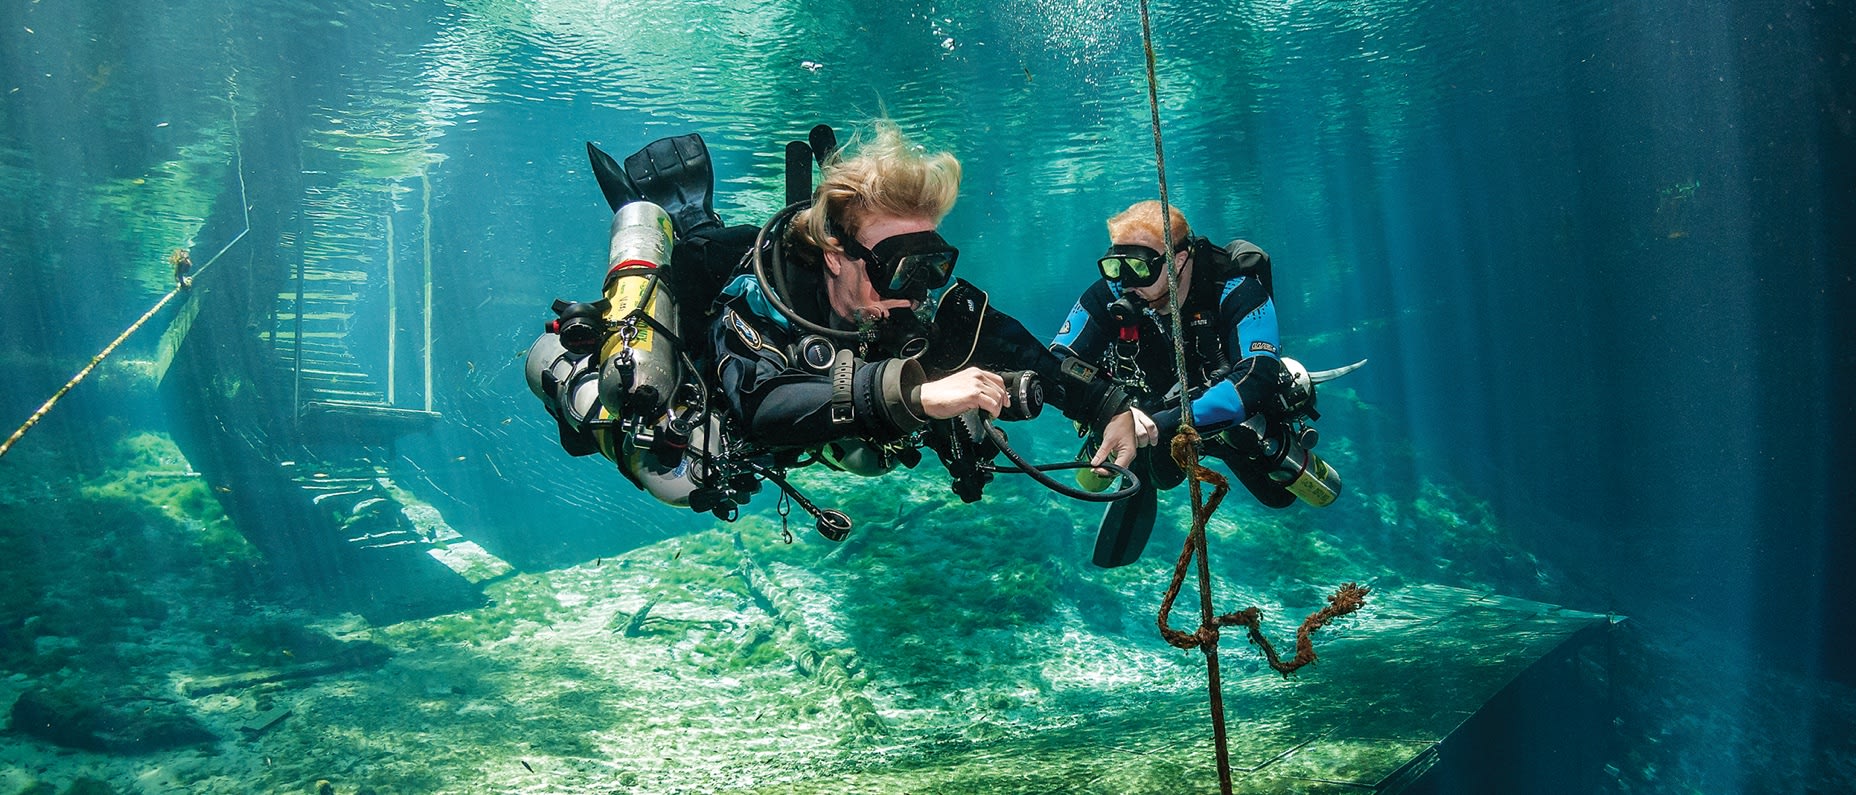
{"x": 1135, "y": 266}
{"x": 904, "y": 266}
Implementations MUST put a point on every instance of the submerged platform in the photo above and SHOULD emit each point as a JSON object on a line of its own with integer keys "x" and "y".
{"x": 1431, "y": 690}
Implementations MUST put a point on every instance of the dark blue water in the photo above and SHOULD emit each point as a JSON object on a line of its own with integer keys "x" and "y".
{"x": 1599, "y": 255}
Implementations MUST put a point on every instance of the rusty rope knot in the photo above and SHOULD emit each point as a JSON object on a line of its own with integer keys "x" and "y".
{"x": 1346, "y": 599}
{"x": 1185, "y": 453}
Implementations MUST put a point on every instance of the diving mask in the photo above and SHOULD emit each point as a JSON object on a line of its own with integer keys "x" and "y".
{"x": 1135, "y": 266}
{"x": 904, "y": 266}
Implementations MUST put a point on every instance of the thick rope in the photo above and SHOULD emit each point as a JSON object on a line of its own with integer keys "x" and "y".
{"x": 1166, "y": 222}
{"x": 1186, "y": 446}
{"x": 1185, "y": 451}
{"x": 46, "y": 407}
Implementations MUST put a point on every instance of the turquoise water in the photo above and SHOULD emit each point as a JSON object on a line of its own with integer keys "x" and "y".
{"x": 1596, "y": 255}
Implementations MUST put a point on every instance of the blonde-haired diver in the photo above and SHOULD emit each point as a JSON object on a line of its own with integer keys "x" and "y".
{"x": 866, "y": 336}
{"x": 837, "y": 332}
{"x": 1252, "y": 405}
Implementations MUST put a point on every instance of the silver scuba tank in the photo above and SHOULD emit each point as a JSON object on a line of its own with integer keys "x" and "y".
{"x": 567, "y": 383}
{"x": 671, "y": 472}
{"x": 640, "y": 370}
{"x": 667, "y": 464}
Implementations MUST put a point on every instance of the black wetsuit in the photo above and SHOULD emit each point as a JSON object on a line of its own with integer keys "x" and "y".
{"x": 781, "y": 400}
{"x": 1232, "y": 351}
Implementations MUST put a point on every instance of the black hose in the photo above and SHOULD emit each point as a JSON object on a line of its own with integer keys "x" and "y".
{"x": 1036, "y": 471}
{"x": 768, "y": 286}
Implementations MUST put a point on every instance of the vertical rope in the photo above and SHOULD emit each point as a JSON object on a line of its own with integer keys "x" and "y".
{"x": 425, "y": 222}
{"x": 1166, "y": 219}
{"x": 1186, "y": 444}
{"x": 1185, "y": 450}
{"x": 393, "y": 311}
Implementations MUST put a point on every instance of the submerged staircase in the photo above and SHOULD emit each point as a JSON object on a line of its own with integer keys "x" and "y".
{"x": 303, "y": 444}
{"x": 341, "y": 379}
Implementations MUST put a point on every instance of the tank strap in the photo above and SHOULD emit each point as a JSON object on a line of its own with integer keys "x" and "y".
{"x": 843, "y": 373}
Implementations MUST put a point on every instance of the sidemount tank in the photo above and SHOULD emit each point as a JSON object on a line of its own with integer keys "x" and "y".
{"x": 629, "y": 401}
{"x": 640, "y": 371}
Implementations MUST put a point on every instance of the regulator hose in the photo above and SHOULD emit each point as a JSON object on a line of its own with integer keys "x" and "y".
{"x": 1036, "y": 471}
{"x": 772, "y": 287}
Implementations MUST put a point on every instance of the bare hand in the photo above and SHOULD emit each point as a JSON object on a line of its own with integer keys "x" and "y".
{"x": 1127, "y": 432}
{"x": 972, "y": 388}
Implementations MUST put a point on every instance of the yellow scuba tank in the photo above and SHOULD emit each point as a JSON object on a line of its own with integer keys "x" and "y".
{"x": 1299, "y": 470}
{"x": 629, "y": 402}
{"x": 640, "y": 370}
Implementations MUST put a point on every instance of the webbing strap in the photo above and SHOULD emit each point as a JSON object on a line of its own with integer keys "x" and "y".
{"x": 843, "y": 373}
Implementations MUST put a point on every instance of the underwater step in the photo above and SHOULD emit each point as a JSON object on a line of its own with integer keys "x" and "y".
{"x": 313, "y": 316}
{"x": 331, "y": 394}
{"x": 331, "y": 364}
{"x": 323, "y": 343}
{"x": 331, "y": 412}
{"x": 314, "y": 274}
{"x": 334, "y": 375}
{"x": 286, "y": 337}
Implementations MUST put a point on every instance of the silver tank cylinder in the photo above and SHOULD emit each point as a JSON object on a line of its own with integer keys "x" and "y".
{"x": 566, "y": 384}
{"x": 640, "y": 370}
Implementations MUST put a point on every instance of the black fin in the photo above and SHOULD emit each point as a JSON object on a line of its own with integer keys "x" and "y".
{"x": 1125, "y": 527}
{"x": 673, "y": 173}
{"x": 824, "y": 142}
{"x": 611, "y": 178}
{"x": 798, "y": 172}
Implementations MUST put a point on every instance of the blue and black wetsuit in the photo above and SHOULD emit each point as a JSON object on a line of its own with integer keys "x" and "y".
{"x": 1232, "y": 354}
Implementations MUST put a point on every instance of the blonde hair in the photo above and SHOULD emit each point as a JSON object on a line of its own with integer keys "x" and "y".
{"x": 887, "y": 175}
{"x": 1145, "y": 217}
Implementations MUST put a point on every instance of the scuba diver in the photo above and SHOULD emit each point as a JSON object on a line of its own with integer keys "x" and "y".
{"x": 721, "y": 357}
{"x": 1252, "y": 405}
{"x": 183, "y": 268}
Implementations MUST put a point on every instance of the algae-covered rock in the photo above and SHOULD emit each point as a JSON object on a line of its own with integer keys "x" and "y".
{"x": 76, "y": 718}
{"x": 14, "y": 781}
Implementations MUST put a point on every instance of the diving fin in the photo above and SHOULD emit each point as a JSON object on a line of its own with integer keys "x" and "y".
{"x": 1125, "y": 527}
{"x": 798, "y": 172}
{"x": 673, "y": 173}
{"x": 823, "y": 142}
{"x": 818, "y": 146}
